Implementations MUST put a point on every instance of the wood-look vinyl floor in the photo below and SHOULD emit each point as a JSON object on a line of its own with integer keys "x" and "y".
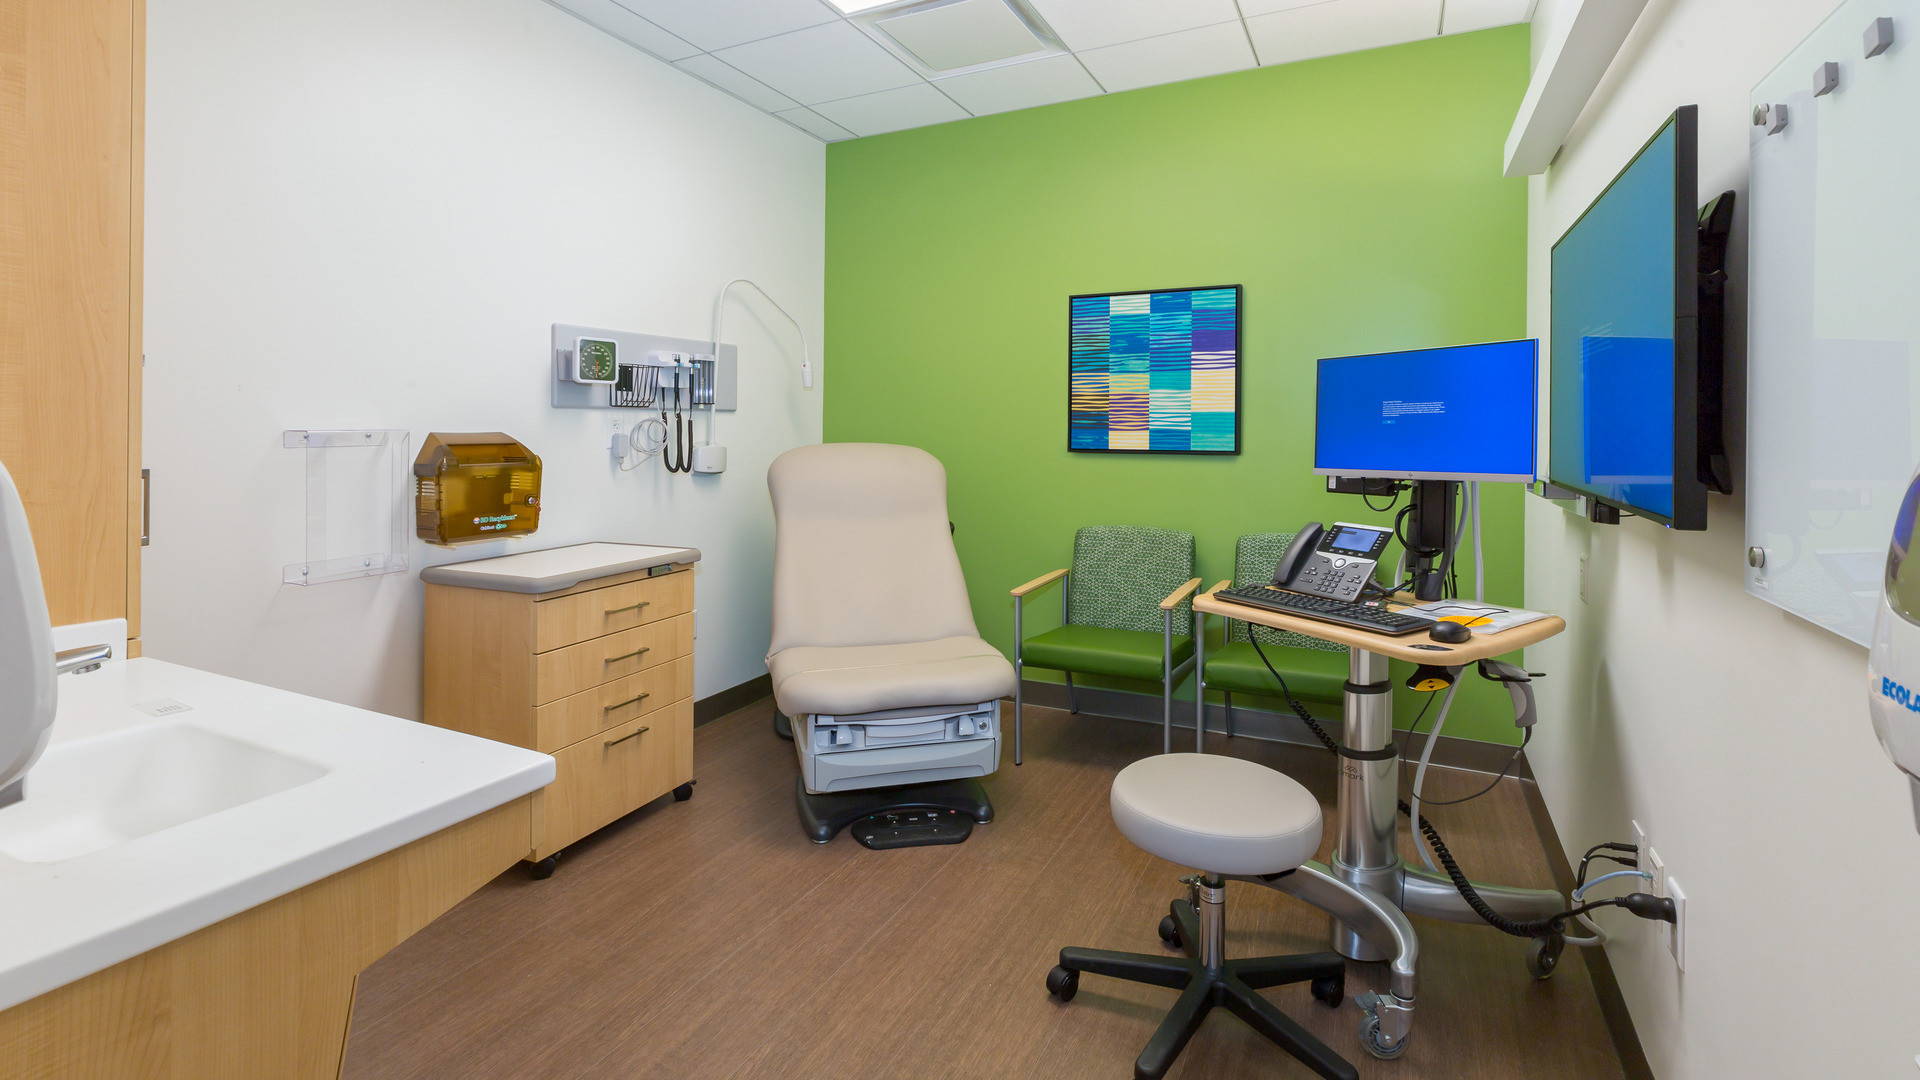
{"x": 711, "y": 939}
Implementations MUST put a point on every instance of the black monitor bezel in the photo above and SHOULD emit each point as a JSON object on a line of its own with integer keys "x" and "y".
{"x": 1689, "y": 492}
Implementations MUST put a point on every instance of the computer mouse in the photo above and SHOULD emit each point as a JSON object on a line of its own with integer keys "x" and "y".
{"x": 1452, "y": 633}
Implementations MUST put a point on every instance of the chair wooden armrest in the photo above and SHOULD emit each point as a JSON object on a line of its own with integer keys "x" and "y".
{"x": 1218, "y": 585}
{"x": 1040, "y": 582}
{"x": 1173, "y": 599}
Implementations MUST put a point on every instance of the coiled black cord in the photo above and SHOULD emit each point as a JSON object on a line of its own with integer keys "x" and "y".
{"x": 1552, "y": 924}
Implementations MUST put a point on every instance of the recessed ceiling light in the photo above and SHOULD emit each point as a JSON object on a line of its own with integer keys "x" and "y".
{"x": 854, "y": 7}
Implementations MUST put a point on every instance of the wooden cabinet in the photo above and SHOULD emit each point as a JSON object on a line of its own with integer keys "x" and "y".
{"x": 72, "y": 103}
{"x": 598, "y": 673}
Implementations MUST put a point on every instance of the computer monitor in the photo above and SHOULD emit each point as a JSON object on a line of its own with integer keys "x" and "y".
{"x": 1466, "y": 412}
{"x": 1637, "y": 305}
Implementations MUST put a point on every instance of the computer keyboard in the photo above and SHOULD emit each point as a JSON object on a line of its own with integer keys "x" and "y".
{"x": 1343, "y": 612}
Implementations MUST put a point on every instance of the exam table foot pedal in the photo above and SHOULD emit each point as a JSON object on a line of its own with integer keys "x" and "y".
{"x": 911, "y": 828}
{"x": 823, "y": 815}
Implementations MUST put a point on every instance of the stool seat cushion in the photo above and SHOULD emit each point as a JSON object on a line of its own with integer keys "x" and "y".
{"x": 1216, "y": 813}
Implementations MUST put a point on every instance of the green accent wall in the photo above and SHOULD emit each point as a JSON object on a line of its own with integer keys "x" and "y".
{"x": 1357, "y": 199}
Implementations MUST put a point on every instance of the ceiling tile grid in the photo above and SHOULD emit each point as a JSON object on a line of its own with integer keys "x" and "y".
{"x": 831, "y": 68}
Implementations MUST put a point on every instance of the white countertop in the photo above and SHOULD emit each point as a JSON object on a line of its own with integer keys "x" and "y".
{"x": 554, "y": 569}
{"x": 377, "y": 783}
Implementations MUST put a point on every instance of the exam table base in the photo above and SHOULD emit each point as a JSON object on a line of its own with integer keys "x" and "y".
{"x": 822, "y": 816}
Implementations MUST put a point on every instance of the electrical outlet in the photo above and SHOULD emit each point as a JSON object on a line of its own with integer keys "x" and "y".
{"x": 1583, "y": 579}
{"x": 1640, "y": 848}
{"x": 1677, "y": 930}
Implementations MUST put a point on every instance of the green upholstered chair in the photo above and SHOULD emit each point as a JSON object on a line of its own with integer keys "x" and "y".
{"x": 1128, "y": 591}
{"x": 1315, "y": 670}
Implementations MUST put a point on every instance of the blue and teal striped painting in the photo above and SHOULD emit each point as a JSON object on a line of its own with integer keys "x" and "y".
{"x": 1155, "y": 372}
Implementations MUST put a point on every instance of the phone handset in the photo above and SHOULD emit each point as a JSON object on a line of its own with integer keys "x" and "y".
{"x": 1297, "y": 554}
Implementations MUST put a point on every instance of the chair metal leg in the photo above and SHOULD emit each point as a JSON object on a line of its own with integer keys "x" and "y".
{"x": 1166, "y": 684}
{"x": 1262, "y": 1017}
{"x": 1199, "y": 681}
{"x": 1019, "y": 678}
{"x": 1175, "y": 1031}
{"x": 1073, "y": 702}
{"x": 1228, "y": 695}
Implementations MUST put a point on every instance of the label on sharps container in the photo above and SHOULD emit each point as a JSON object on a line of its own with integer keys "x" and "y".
{"x": 162, "y": 706}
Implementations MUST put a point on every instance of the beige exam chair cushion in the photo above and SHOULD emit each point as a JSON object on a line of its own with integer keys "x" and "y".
{"x": 845, "y": 680}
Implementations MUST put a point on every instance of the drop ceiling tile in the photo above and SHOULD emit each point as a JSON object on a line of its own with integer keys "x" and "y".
{"x": 1341, "y": 26}
{"x": 628, "y": 27}
{"x": 822, "y": 63}
{"x": 892, "y": 110}
{"x": 1020, "y": 86}
{"x": 961, "y": 34}
{"x": 736, "y": 82}
{"x": 717, "y": 24}
{"x": 1090, "y": 24}
{"x": 1187, "y": 54}
{"x": 814, "y": 124}
{"x": 1463, "y": 16}
{"x": 1250, "y": 8}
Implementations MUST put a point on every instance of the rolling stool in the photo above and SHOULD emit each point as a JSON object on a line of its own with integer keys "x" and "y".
{"x": 1230, "y": 817}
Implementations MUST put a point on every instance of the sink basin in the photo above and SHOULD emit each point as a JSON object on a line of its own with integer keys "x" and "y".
{"x": 96, "y": 793}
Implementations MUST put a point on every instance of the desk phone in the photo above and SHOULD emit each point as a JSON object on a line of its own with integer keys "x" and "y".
{"x": 1334, "y": 563}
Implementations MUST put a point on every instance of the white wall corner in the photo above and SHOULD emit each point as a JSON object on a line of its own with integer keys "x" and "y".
{"x": 1569, "y": 70}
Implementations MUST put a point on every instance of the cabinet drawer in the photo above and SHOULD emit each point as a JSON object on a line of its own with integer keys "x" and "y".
{"x": 567, "y": 721}
{"x": 583, "y": 616}
{"x": 613, "y": 773}
{"x": 568, "y": 671}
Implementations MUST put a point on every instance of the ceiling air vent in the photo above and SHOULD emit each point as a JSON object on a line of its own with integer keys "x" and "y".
{"x": 949, "y": 36}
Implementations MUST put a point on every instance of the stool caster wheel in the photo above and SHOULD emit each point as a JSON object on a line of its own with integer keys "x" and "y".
{"x": 1330, "y": 990}
{"x": 1543, "y": 955}
{"x": 684, "y": 791}
{"x": 542, "y": 869}
{"x": 1170, "y": 932}
{"x": 1062, "y": 983}
{"x": 1370, "y": 1038}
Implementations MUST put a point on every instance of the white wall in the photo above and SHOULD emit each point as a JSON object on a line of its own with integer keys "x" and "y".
{"x": 366, "y": 214}
{"x": 1736, "y": 733}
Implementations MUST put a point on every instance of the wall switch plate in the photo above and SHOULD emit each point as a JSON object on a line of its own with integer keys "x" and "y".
{"x": 1677, "y": 930}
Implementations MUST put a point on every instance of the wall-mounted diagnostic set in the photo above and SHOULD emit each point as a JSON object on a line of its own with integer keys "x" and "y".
{"x": 475, "y": 486}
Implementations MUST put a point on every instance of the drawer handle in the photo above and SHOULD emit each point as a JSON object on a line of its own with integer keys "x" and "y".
{"x": 629, "y": 607}
{"x": 624, "y": 738}
{"x": 628, "y": 656}
{"x": 629, "y": 701}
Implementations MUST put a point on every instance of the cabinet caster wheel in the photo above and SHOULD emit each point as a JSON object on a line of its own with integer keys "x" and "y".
{"x": 1330, "y": 990}
{"x": 1062, "y": 983}
{"x": 1170, "y": 932}
{"x": 542, "y": 869}
{"x": 1543, "y": 955}
{"x": 1370, "y": 1038}
{"x": 684, "y": 791}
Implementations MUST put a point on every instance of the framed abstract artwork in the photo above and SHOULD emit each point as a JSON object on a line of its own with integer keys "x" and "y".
{"x": 1155, "y": 372}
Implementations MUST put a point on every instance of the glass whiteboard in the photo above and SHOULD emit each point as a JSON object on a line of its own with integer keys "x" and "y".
{"x": 1833, "y": 310}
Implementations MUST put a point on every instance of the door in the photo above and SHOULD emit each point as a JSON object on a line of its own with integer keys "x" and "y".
{"x": 71, "y": 101}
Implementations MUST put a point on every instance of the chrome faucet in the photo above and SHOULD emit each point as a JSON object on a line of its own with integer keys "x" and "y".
{"x": 81, "y": 660}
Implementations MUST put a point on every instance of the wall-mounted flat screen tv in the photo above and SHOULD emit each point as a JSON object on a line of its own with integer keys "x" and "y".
{"x": 1634, "y": 393}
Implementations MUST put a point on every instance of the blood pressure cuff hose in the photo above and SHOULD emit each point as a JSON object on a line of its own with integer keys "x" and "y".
{"x": 1519, "y": 684}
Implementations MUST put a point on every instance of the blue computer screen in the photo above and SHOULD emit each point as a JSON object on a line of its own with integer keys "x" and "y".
{"x": 1612, "y": 340}
{"x": 1458, "y": 413}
